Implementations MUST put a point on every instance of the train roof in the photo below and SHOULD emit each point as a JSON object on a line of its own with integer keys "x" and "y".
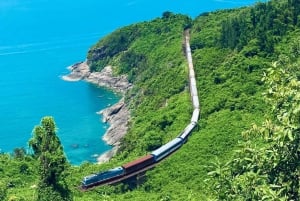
{"x": 89, "y": 176}
{"x": 137, "y": 161}
{"x": 115, "y": 169}
{"x": 167, "y": 146}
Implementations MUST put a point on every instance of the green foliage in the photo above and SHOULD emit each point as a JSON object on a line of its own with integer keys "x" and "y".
{"x": 17, "y": 177}
{"x": 47, "y": 193}
{"x": 267, "y": 166}
{"x": 52, "y": 161}
{"x": 266, "y": 22}
{"x": 231, "y": 49}
{"x": 3, "y": 191}
{"x": 134, "y": 48}
{"x": 118, "y": 41}
{"x": 19, "y": 153}
{"x": 167, "y": 14}
{"x": 155, "y": 64}
{"x": 230, "y": 88}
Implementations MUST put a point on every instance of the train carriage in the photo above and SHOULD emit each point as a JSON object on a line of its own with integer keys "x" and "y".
{"x": 193, "y": 81}
{"x": 191, "y": 73}
{"x": 195, "y": 116}
{"x": 138, "y": 164}
{"x": 193, "y": 90}
{"x": 187, "y": 131}
{"x": 196, "y": 104}
{"x": 167, "y": 149}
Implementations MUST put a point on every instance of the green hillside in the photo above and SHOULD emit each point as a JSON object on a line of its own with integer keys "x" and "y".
{"x": 233, "y": 50}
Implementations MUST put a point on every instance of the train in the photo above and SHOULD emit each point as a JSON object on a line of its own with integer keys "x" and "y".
{"x": 140, "y": 163}
{"x": 145, "y": 161}
{"x": 161, "y": 152}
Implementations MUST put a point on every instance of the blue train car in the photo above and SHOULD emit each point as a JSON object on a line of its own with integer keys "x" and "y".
{"x": 88, "y": 180}
{"x": 193, "y": 88}
{"x": 195, "y": 116}
{"x": 195, "y": 100}
{"x": 191, "y": 73}
{"x": 95, "y": 179}
{"x": 187, "y": 131}
{"x": 166, "y": 149}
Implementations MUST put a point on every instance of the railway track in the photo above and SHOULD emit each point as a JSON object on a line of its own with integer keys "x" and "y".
{"x": 169, "y": 148}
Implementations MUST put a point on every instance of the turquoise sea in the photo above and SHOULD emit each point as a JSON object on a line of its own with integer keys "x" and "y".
{"x": 39, "y": 39}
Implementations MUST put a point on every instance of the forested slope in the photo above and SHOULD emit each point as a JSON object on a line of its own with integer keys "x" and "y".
{"x": 231, "y": 51}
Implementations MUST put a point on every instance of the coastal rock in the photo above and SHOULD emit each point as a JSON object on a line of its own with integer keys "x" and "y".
{"x": 110, "y": 112}
{"x": 79, "y": 71}
{"x": 117, "y": 115}
{"x": 107, "y": 155}
{"x": 105, "y": 78}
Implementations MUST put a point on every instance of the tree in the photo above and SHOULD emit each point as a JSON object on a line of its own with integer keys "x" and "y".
{"x": 19, "y": 153}
{"x": 167, "y": 14}
{"x": 52, "y": 161}
{"x": 3, "y": 191}
{"x": 267, "y": 167}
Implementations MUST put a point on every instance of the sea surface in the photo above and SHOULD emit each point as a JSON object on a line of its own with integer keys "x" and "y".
{"x": 39, "y": 39}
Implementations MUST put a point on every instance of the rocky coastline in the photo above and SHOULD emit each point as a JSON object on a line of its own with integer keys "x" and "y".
{"x": 118, "y": 114}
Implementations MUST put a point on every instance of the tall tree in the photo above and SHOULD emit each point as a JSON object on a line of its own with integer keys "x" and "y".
{"x": 3, "y": 191}
{"x": 52, "y": 162}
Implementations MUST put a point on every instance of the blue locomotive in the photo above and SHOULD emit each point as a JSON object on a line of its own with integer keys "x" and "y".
{"x": 96, "y": 179}
{"x": 138, "y": 164}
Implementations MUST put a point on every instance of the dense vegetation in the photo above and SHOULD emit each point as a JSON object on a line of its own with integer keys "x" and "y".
{"x": 267, "y": 166}
{"x": 231, "y": 51}
{"x": 51, "y": 161}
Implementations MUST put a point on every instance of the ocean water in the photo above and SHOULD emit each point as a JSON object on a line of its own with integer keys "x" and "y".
{"x": 39, "y": 39}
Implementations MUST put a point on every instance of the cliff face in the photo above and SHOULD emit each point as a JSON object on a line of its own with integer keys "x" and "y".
{"x": 117, "y": 115}
{"x": 79, "y": 71}
{"x": 104, "y": 78}
{"x": 97, "y": 54}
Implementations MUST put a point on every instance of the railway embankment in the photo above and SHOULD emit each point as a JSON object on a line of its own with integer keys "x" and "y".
{"x": 118, "y": 114}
